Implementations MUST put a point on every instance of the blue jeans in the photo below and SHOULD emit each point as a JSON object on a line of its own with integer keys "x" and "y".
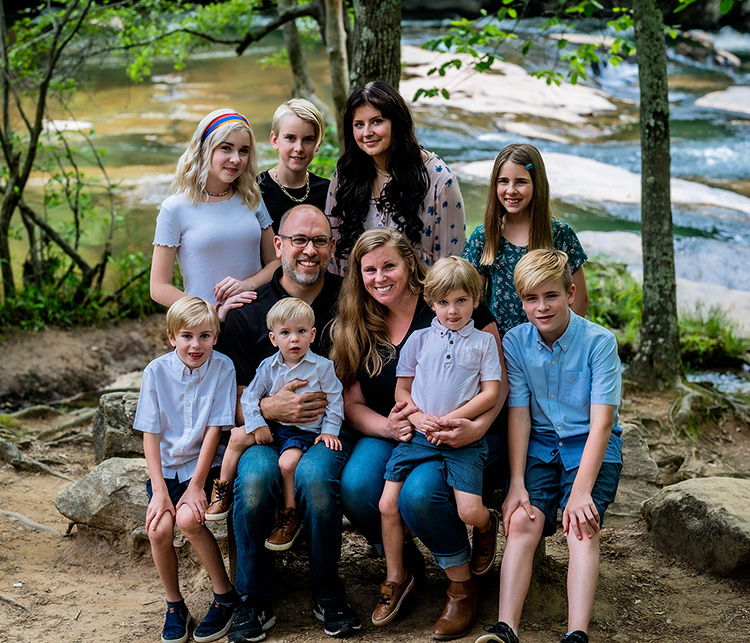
{"x": 257, "y": 494}
{"x": 426, "y": 502}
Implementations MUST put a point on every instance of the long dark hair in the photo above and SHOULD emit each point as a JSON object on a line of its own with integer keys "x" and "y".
{"x": 403, "y": 195}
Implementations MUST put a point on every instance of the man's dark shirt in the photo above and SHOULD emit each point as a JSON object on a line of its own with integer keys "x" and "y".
{"x": 244, "y": 334}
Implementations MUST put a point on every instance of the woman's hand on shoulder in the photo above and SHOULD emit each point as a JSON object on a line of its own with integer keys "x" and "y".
{"x": 235, "y": 301}
{"x": 398, "y": 426}
{"x": 227, "y": 287}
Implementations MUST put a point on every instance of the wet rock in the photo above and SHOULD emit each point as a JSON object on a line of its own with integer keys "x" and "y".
{"x": 112, "y": 496}
{"x": 113, "y": 432}
{"x": 639, "y": 479}
{"x": 705, "y": 522}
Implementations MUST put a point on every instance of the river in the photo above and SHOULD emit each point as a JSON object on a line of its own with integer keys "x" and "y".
{"x": 144, "y": 127}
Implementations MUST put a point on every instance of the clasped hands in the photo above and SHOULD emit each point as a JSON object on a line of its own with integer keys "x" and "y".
{"x": 455, "y": 432}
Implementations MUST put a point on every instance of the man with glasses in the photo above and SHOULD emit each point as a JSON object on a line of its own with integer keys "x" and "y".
{"x": 304, "y": 245}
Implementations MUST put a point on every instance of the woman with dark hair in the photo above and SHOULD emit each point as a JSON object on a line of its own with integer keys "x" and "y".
{"x": 380, "y": 306}
{"x": 385, "y": 179}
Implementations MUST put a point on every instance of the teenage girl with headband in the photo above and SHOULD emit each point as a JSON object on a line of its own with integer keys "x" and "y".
{"x": 297, "y": 130}
{"x": 215, "y": 225}
{"x": 518, "y": 218}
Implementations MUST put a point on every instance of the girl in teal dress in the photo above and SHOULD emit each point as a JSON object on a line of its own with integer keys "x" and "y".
{"x": 518, "y": 218}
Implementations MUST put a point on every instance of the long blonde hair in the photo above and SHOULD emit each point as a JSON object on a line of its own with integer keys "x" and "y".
{"x": 540, "y": 209}
{"x": 192, "y": 168}
{"x": 360, "y": 329}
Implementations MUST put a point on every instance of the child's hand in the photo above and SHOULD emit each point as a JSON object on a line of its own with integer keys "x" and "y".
{"x": 195, "y": 499}
{"x": 581, "y": 515}
{"x": 517, "y": 498}
{"x": 235, "y": 301}
{"x": 424, "y": 422}
{"x": 331, "y": 441}
{"x": 263, "y": 435}
{"x": 158, "y": 507}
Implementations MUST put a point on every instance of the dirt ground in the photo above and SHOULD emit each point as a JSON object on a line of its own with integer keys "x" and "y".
{"x": 90, "y": 586}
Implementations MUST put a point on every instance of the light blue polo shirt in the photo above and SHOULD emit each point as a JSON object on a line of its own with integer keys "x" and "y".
{"x": 179, "y": 405}
{"x": 559, "y": 384}
{"x": 448, "y": 365}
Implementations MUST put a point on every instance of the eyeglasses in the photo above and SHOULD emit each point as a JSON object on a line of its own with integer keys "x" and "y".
{"x": 301, "y": 241}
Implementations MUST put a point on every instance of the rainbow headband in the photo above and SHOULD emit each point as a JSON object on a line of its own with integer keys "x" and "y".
{"x": 220, "y": 120}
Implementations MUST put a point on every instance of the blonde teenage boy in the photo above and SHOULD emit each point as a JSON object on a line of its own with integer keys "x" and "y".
{"x": 563, "y": 440}
{"x": 291, "y": 324}
{"x": 186, "y": 397}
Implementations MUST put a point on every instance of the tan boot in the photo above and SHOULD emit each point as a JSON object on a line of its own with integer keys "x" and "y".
{"x": 390, "y": 598}
{"x": 286, "y": 531}
{"x": 221, "y": 500}
{"x": 459, "y": 611}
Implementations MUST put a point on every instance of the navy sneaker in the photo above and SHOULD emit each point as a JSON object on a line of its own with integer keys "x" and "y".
{"x": 218, "y": 619}
{"x": 338, "y": 618}
{"x": 176, "y": 623}
{"x": 250, "y": 622}
{"x": 498, "y": 633}
{"x": 579, "y": 636}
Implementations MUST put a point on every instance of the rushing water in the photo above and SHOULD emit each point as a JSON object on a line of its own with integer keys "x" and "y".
{"x": 144, "y": 127}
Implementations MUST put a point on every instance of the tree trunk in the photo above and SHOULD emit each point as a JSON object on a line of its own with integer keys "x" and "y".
{"x": 335, "y": 38}
{"x": 303, "y": 86}
{"x": 377, "y": 42}
{"x": 657, "y": 362}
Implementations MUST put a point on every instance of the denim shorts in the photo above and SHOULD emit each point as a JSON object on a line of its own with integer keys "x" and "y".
{"x": 548, "y": 485}
{"x": 463, "y": 467}
{"x": 177, "y": 488}
{"x": 288, "y": 437}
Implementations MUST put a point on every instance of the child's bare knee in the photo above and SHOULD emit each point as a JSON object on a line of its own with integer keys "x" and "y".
{"x": 521, "y": 524}
{"x": 187, "y": 523}
{"x": 474, "y": 516}
{"x": 388, "y": 508}
{"x": 164, "y": 532}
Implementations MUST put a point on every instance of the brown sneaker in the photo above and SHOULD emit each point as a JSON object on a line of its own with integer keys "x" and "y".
{"x": 286, "y": 531}
{"x": 221, "y": 500}
{"x": 483, "y": 548}
{"x": 390, "y": 599}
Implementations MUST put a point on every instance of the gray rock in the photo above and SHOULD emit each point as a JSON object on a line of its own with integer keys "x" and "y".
{"x": 9, "y": 451}
{"x": 639, "y": 479}
{"x": 705, "y": 522}
{"x": 113, "y": 432}
{"x": 112, "y": 496}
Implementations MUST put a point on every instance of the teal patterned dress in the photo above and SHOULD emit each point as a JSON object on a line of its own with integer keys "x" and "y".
{"x": 500, "y": 294}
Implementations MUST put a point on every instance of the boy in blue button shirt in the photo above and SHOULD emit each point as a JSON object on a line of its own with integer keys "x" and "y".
{"x": 187, "y": 397}
{"x": 563, "y": 440}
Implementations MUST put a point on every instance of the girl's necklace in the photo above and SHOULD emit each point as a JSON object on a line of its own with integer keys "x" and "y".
{"x": 302, "y": 199}
{"x": 382, "y": 173}
{"x": 224, "y": 193}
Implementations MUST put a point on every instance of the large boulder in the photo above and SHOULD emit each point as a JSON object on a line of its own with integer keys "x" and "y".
{"x": 112, "y": 496}
{"x": 705, "y": 522}
{"x": 113, "y": 432}
{"x": 639, "y": 479}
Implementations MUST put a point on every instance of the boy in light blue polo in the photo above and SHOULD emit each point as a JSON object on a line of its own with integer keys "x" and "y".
{"x": 450, "y": 370}
{"x": 187, "y": 397}
{"x": 563, "y": 440}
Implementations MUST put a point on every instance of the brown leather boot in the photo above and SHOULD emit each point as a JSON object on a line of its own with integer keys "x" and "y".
{"x": 459, "y": 611}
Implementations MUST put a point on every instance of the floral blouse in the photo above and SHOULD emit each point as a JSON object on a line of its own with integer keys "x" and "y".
{"x": 443, "y": 217}
{"x": 500, "y": 294}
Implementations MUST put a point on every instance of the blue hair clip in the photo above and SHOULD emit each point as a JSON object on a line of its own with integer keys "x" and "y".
{"x": 528, "y": 166}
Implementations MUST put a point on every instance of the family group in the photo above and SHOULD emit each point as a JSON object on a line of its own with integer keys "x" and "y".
{"x": 342, "y": 350}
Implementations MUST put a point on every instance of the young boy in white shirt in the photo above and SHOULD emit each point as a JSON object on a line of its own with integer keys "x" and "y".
{"x": 450, "y": 370}
{"x": 187, "y": 397}
{"x": 291, "y": 324}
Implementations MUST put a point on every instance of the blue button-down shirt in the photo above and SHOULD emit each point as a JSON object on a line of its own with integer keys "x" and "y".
{"x": 448, "y": 365}
{"x": 179, "y": 405}
{"x": 560, "y": 383}
{"x": 272, "y": 374}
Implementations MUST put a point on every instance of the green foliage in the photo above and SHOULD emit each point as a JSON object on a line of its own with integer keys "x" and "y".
{"x": 707, "y": 339}
{"x": 483, "y": 38}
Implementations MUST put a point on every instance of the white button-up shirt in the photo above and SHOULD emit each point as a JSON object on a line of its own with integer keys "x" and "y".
{"x": 273, "y": 373}
{"x": 448, "y": 366}
{"x": 179, "y": 405}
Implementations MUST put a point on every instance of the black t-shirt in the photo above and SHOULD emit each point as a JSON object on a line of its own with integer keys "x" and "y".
{"x": 244, "y": 334}
{"x": 379, "y": 391}
{"x": 278, "y": 203}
